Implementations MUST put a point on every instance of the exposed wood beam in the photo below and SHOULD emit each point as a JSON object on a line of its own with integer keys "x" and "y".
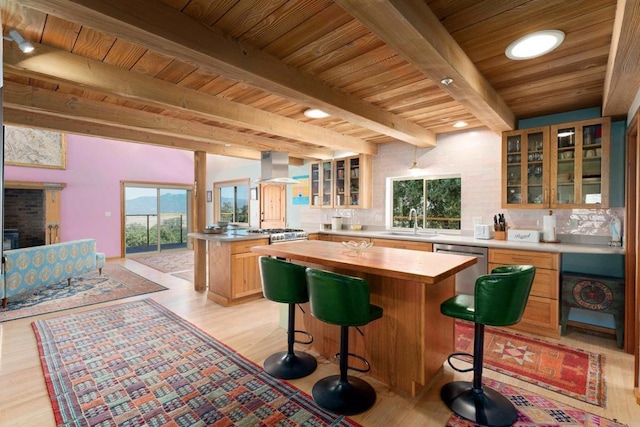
{"x": 56, "y": 66}
{"x": 52, "y": 122}
{"x": 621, "y": 81}
{"x": 28, "y": 98}
{"x": 411, "y": 29}
{"x": 169, "y": 32}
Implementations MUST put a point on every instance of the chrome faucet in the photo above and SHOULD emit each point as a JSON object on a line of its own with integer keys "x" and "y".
{"x": 415, "y": 221}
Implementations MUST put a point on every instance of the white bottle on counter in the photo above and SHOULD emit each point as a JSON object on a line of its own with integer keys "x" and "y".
{"x": 336, "y": 223}
{"x": 616, "y": 229}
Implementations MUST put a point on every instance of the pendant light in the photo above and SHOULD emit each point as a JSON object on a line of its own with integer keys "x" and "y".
{"x": 415, "y": 159}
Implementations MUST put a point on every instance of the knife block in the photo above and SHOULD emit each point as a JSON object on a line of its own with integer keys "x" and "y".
{"x": 500, "y": 235}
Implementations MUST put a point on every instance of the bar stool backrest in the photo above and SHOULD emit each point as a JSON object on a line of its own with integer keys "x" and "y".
{"x": 283, "y": 281}
{"x": 501, "y": 297}
{"x": 338, "y": 299}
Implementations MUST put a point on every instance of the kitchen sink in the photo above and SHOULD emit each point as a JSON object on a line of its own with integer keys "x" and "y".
{"x": 421, "y": 234}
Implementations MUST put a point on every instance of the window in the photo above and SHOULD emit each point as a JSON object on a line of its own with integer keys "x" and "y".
{"x": 232, "y": 201}
{"x": 437, "y": 201}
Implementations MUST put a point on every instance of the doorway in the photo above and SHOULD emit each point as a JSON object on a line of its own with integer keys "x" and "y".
{"x": 155, "y": 217}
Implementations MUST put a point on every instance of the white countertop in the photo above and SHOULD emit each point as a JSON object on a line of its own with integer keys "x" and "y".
{"x": 579, "y": 248}
{"x": 491, "y": 243}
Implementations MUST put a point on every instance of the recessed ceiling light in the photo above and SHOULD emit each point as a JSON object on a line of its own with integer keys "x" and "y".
{"x": 460, "y": 124}
{"x": 315, "y": 113}
{"x": 446, "y": 81}
{"x": 534, "y": 44}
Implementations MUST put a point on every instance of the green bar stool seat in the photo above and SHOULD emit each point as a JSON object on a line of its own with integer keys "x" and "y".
{"x": 499, "y": 300}
{"x": 342, "y": 300}
{"x": 286, "y": 282}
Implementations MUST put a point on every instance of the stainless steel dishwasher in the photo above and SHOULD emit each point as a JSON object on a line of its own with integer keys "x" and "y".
{"x": 466, "y": 279}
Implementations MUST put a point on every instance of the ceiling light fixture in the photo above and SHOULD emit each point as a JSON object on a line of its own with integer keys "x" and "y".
{"x": 315, "y": 113}
{"x": 24, "y": 45}
{"x": 446, "y": 81}
{"x": 534, "y": 44}
{"x": 460, "y": 124}
{"x": 415, "y": 159}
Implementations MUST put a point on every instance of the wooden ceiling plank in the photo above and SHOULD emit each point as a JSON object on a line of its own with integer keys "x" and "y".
{"x": 167, "y": 31}
{"x": 621, "y": 82}
{"x": 411, "y": 29}
{"x": 52, "y": 103}
{"x": 58, "y": 66}
{"x": 71, "y": 125}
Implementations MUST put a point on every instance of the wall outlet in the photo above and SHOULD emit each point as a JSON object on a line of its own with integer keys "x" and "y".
{"x": 107, "y": 213}
{"x": 477, "y": 220}
{"x": 573, "y": 223}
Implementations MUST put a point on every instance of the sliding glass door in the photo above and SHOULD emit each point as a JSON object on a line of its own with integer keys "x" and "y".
{"x": 155, "y": 218}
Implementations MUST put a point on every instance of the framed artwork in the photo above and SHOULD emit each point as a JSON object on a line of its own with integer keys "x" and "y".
{"x": 34, "y": 148}
{"x": 254, "y": 193}
{"x": 301, "y": 191}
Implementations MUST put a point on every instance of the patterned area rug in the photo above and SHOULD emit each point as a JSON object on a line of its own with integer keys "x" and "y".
{"x": 565, "y": 370}
{"x": 167, "y": 262}
{"x": 538, "y": 411}
{"x": 138, "y": 363}
{"x": 116, "y": 282}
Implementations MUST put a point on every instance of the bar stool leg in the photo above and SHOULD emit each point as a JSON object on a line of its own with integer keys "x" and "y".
{"x": 290, "y": 364}
{"x": 474, "y": 402}
{"x": 344, "y": 394}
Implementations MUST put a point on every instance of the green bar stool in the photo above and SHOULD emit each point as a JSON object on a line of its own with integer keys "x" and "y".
{"x": 286, "y": 282}
{"x": 499, "y": 300}
{"x": 342, "y": 300}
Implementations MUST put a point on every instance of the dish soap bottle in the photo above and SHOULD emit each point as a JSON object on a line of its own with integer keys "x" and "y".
{"x": 616, "y": 228}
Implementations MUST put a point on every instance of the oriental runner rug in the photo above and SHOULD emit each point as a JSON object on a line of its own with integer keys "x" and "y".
{"x": 138, "y": 363}
{"x": 556, "y": 367}
{"x": 167, "y": 262}
{"x": 538, "y": 411}
{"x": 116, "y": 282}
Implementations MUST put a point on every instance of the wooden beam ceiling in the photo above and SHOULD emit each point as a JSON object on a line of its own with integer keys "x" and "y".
{"x": 30, "y": 99}
{"x": 621, "y": 82}
{"x": 60, "y": 67}
{"x": 412, "y": 30}
{"x": 167, "y": 31}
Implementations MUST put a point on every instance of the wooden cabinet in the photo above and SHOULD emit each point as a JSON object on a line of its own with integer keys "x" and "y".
{"x": 322, "y": 184}
{"x": 336, "y": 238}
{"x": 560, "y": 166}
{"x": 580, "y": 164}
{"x": 342, "y": 183}
{"x": 525, "y": 168}
{"x": 541, "y": 316}
{"x": 234, "y": 274}
{"x": 403, "y": 244}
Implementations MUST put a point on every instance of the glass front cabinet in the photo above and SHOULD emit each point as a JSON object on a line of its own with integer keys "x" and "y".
{"x": 525, "y": 168}
{"x": 559, "y": 166}
{"x": 348, "y": 184}
{"x": 580, "y": 164}
{"x": 321, "y": 184}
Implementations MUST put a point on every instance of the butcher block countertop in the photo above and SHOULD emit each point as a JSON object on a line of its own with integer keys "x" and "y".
{"x": 419, "y": 266}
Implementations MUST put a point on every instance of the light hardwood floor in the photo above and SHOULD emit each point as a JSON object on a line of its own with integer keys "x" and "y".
{"x": 253, "y": 330}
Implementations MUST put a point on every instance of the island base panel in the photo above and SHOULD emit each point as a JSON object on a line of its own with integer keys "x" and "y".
{"x": 408, "y": 345}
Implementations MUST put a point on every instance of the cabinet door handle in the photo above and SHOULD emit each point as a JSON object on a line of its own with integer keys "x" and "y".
{"x": 545, "y": 198}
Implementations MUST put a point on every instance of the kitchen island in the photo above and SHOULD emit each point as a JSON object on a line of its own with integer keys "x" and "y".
{"x": 407, "y": 347}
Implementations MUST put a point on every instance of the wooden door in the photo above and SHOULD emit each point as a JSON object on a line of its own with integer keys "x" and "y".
{"x": 273, "y": 206}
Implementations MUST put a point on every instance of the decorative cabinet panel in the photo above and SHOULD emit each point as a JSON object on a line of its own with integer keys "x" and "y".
{"x": 580, "y": 164}
{"x": 342, "y": 183}
{"x": 559, "y": 166}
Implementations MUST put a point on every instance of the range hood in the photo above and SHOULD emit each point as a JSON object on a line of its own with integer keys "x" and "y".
{"x": 274, "y": 168}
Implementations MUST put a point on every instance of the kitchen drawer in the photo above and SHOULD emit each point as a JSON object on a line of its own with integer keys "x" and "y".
{"x": 403, "y": 244}
{"x": 349, "y": 238}
{"x": 546, "y": 283}
{"x": 244, "y": 246}
{"x": 541, "y": 313}
{"x": 547, "y": 260}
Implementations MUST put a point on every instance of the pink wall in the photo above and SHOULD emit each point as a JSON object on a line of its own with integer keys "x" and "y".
{"x": 94, "y": 170}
